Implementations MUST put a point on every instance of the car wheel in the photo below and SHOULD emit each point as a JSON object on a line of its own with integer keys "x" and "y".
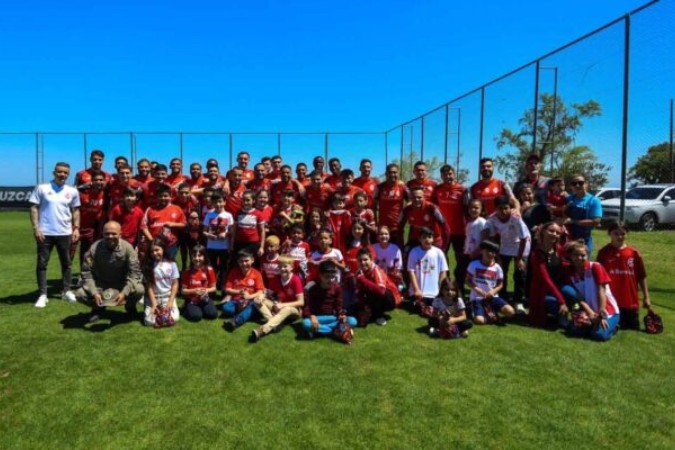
{"x": 648, "y": 222}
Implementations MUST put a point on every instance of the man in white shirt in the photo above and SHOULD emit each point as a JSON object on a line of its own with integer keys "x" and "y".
{"x": 55, "y": 217}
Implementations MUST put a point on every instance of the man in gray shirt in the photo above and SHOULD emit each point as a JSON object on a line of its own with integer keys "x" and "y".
{"x": 110, "y": 264}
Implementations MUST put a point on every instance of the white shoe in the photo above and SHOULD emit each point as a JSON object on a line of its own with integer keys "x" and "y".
{"x": 69, "y": 296}
{"x": 41, "y": 301}
{"x": 381, "y": 321}
{"x": 520, "y": 309}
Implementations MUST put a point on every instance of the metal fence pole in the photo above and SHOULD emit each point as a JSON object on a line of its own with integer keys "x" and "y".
{"x": 421, "y": 140}
{"x": 84, "y": 141}
{"x": 401, "y": 159}
{"x": 536, "y": 107}
{"x": 37, "y": 158}
{"x": 231, "y": 145}
{"x": 325, "y": 148}
{"x": 481, "y": 127}
{"x": 445, "y": 136}
{"x": 624, "y": 133}
{"x": 279, "y": 144}
{"x": 672, "y": 169}
{"x": 132, "y": 157}
{"x": 181, "y": 147}
{"x": 386, "y": 146}
{"x": 459, "y": 138}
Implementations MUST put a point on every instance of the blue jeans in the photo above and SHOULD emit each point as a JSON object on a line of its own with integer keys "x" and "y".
{"x": 595, "y": 333}
{"x": 327, "y": 323}
{"x": 230, "y": 309}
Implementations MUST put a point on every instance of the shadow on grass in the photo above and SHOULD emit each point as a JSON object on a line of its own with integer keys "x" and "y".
{"x": 53, "y": 291}
{"x": 108, "y": 320}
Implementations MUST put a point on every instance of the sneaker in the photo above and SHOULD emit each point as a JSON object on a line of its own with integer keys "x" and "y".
{"x": 310, "y": 334}
{"x": 69, "y": 296}
{"x": 229, "y": 325}
{"x": 520, "y": 309}
{"x": 41, "y": 301}
{"x": 433, "y": 332}
{"x": 381, "y": 321}
{"x": 256, "y": 334}
{"x": 465, "y": 334}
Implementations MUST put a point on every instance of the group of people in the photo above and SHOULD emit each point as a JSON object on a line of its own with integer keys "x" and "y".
{"x": 335, "y": 249}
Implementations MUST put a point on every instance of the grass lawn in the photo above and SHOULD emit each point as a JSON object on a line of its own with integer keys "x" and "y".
{"x": 117, "y": 384}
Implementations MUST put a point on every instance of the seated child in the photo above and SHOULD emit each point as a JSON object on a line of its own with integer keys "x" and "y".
{"x": 322, "y": 311}
{"x": 375, "y": 292}
{"x": 286, "y": 301}
{"x": 485, "y": 278}
{"x": 449, "y": 310}
{"x": 197, "y": 283}
{"x": 243, "y": 286}
{"x": 161, "y": 286}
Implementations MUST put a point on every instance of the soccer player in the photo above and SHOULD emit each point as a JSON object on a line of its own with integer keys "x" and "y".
{"x": 83, "y": 177}
{"x": 488, "y": 188}
{"x": 286, "y": 183}
{"x": 259, "y": 181}
{"x": 334, "y": 180}
{"x": 55, "y": 217}
{"x": 143, "y": 170}
{"x": 390, "y": 198}
{"x": 176, "y": 176}
{"x": 91, "y": 214}
{"x": 451, "y": 197}
{"x": 422, "y": 213}
{"x": 117, "y": 187}
{"x": 367, "y": 183}
{"x": 318, "y": 194}
{"x": 422, "y": 180}
{"x": 347, "y": 188}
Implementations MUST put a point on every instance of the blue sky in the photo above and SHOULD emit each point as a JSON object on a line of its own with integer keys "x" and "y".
{"x": 260, "y": 66}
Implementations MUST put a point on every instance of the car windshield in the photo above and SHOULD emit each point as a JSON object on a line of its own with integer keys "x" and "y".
{"x": 643, "y": 193}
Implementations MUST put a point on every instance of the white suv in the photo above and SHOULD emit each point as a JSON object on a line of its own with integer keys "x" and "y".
{"x": 646, "y": 206}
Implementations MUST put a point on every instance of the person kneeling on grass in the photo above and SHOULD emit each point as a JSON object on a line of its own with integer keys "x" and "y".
{"x": 448, "y": 319}
{"x": 110, "y": 263}
{"x": 375, "y": 292}
{"x": 285, "y": 299}
{"x": 243, "y": 286}
{"x": 323, "y": 310}
{"x": 161, "y": 285}
{"x": 486, "y": 279}
{"x": 595, "y": 313}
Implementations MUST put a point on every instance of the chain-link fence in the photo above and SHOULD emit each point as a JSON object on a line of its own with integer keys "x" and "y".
{"x": 601, "y": 105}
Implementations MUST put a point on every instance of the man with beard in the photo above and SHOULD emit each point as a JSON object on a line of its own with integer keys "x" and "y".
{"x": 422, "y": 180}
{"x": 176, "y": 176}
{"x": 83, "y": 177}
{"x": 143, "y": 169}
{"x": 390, "y": 198}
{"x": 367, "y": 183}
{"x": 110, "y": 263}
{"x": 286, "y": 183}
{"x": 243, "y": 159}
{"x": 488, "y": 188}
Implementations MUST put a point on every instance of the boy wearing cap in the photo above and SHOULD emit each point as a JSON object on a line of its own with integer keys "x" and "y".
{"x": 323, "y": 311}
{"x": 486, "y": 279}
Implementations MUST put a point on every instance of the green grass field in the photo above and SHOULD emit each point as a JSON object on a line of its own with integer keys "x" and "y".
{"x": 116, "y": 384}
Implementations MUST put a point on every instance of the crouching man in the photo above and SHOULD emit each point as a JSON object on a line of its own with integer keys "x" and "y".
{"x": 111, "y": 274}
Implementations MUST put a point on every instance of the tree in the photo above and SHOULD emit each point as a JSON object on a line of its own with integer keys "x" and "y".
{"x": 654, "y": 166}
{"x": 557, "y": 127}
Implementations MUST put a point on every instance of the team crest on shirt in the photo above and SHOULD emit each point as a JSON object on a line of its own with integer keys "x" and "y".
{"x": 495, "y": 190}
{"x": 174, "y": 215}
{"x": 250, "y": 282}
{"x": 630, "y": 262}
{"x": 427, "y": 218}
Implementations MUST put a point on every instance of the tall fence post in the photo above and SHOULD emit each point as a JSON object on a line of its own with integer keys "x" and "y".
{"x": 459, "y": 139}
{"x": 401, "y": 159}
{"x": 624, "y": 131}
{"x": 181, "y": 147}
{"x": 421, "y": 140}
{"x": 672, "y": 169}
{"x": 325, "y": 148}
{"x": 84, "y": 143}
{"x": 536, "y": 107}
{"x": 37, "y": 158}
{"x": 445, "y": 135}
{"x": 230, "y": 146}
{"x": 386, "y": 147}
{"x": 279, "y": 144}
{"x": 481, "y": 127}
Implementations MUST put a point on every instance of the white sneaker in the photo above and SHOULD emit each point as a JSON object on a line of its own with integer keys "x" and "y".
{"x": 520, "y": 309}
{"x": 41, "y": 301}
{"x": 69, "y": 296}
{"x": 381, "y": 321}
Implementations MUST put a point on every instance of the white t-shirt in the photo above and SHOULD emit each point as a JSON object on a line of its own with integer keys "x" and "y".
{"x": 165, "y": 272}
{"x": 510, "y": 234}
{"x": 217, "y": 223}
{"x": 388, "y": 258}
{"x": 474, "y": 229}
{"x": 55, "y": 208}
{"x": 439, "y": 305}
{"x": 427, "y": 266}
{"x": 332, "y": 254}
{"x": 484, "y": 277}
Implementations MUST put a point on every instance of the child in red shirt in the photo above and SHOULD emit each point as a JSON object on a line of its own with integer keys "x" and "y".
{"x": 625, "y": 266}
{"x": 129, "y": 216}
{"x": 196, "y": 284}
{"x": 243, "y": 286}
{"x": 339, "y": 221}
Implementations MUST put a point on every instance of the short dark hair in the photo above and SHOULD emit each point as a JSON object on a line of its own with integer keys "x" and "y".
{"x": 161, "y": 167}
{"x": 502, "y": 200}
{"x": 489, "y": 245}
{"x": 617, "y": 225}
{"x": 346, "y": 172}
{"x": 486, "y": 159}
{"x": 163, "y": 189}
{"x": 97, "y": 153}
{"x": 426, "y": 231}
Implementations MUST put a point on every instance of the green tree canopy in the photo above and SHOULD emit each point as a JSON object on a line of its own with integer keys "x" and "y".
{"x": 557, "y": 127}
{"x": 654, "y": 166}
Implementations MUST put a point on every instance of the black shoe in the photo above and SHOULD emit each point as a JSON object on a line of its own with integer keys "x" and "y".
{"x": 229, "y": 325}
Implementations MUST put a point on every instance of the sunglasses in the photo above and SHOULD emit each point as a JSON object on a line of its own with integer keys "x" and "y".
{"x": 577, "y": 183}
